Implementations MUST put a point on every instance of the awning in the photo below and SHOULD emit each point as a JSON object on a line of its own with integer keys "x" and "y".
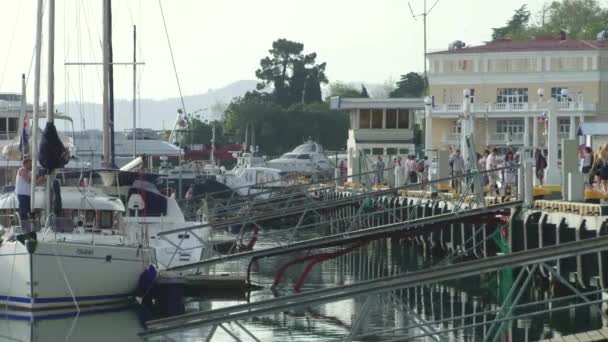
{"x": 593, "y": 128}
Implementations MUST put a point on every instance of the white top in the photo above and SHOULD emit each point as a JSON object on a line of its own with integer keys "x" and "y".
{"x": 482, "y": 163}
{"x": 491, "y": 162}
{"x": 22, "y": 184}
{"x": 587, "y": 159}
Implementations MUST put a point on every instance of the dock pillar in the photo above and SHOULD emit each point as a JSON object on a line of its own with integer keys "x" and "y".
{"x": 569, "y": 163}
{"x": 526, "y": 183}
{"x": 443, "y": 167}
{"x": 552, "y": 146}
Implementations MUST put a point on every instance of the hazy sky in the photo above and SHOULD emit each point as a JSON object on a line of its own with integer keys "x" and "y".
{"x": 217, "y": 42}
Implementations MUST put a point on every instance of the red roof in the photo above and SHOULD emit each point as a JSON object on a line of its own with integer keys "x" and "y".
{"x": 531, "y": 45}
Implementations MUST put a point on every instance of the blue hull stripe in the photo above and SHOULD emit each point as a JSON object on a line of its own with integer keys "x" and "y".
{"x": 31, "y": 317}
{"x": 61, "y": 299}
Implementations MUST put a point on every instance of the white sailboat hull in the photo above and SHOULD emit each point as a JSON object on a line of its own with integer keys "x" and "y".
{"x": 57, "y": 273}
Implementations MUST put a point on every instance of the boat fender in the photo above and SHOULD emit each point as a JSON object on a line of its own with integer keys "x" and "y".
{"x": 146, "y": 279}
{"x": 30, "y": 245}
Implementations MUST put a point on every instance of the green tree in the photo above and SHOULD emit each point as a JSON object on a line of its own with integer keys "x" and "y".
{"x": 581, "y": 19}
{"x": 516, "y": 26}
{"x": 342, "y": 89}
{"x": 279, "y": 129}
{"x": 198, "y": 131}
{"x": 363, "y": 92}
{"x": 291, "y": 73}
{"x": 410, "y": 85}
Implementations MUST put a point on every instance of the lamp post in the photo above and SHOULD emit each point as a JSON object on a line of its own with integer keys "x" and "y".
{"x": 465, "y": 123}
{"x": 552, "y": 177}
{"x": 428, "y": 124}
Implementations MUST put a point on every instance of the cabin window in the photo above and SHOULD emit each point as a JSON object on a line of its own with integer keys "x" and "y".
{"x": 391, "y": 118}
{"x": 404, "y": 118}
{"x": 364, "y": 118}
{"x": 377, "y": 118}
{"x": 391, "y": 151}
{"x": 304, "y": 156}
{"x": 89, "y": 217}
{"x": 105, "y": 219}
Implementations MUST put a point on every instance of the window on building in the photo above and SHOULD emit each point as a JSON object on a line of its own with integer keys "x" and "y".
{"x": 512, "y": 95}
{"x": 367, "y": 151}
{"x": 2, "y": 125}
{"x": 391, "y": 151}
{"x": 364, "y": 118}
{"x": 12, "y": 124}
{"x": 556, "y": 93}
{"x": 472, "y": 96}
{"x": 456, "y": 128}
{"x": 404, "y": 119}
{"x": 391, "y": 118}
{"x": 404, "y": 151}
{"x": 378, "y": 151}
{"x": 510, "y": 126}
{"x": 564, "y": 125}
{"x": 376, "y": 118}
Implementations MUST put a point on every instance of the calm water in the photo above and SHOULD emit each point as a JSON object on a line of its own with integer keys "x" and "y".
{"x": 332, "y": 322}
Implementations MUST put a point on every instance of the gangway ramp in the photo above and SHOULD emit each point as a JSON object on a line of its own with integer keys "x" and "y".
{"x": 376, "y": 286}
{"x": 351, "y": 236}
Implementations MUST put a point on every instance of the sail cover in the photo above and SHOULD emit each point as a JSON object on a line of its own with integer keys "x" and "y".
{"x": 52, "y": 153}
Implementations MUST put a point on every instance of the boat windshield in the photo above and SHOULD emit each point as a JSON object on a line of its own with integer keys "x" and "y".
{"x": 304, "y": 156}
{"x": 289, "y": 156}
{"x": 306, "y": 148}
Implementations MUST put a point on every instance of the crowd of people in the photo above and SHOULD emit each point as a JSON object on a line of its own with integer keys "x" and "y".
{"x": 501, "y": 172}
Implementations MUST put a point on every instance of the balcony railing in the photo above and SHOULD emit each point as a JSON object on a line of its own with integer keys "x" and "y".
{"x": 451, "y": 138}
{"x": 514, "y": 107}
{"x": 503, "y": 138}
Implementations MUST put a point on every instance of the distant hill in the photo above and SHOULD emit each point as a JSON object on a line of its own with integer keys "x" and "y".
{"x": 158, "y": 113}
{"x": 155, "y": 112}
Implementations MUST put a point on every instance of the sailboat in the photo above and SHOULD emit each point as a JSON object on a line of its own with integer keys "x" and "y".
{"x": 54, "y": 268}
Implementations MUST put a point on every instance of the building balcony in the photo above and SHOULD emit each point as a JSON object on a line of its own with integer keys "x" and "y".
{"x": 495, "y": 109}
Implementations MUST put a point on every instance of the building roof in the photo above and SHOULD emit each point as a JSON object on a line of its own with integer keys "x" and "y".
{"x": 338, "y": 102}
{"x": 530, "y": 45}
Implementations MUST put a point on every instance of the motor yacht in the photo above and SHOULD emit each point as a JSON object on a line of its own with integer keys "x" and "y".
{"x": 306, "y": 159}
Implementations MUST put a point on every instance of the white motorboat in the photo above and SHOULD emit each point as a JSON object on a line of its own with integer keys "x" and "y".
{"x": 87, "y": 258}
{"x": 307, "y": 159}
{"x": 251, "y": 180}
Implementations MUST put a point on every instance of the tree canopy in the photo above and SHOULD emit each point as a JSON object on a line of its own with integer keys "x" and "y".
{"x": 410, "y": 85}
{"x": 579, "y": 19}
{"x": 279, "y": 129}
{"x": 294, "y": 77}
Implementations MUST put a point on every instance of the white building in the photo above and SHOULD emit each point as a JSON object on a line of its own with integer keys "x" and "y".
{"x": 378, "y": 127}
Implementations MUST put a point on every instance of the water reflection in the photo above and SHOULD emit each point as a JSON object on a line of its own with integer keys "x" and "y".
{"x": 116, "y": 324}
{"x": 456, "y": 310}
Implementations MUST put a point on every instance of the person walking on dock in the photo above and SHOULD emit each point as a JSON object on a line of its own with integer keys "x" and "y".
{"x": 398, "y": 172}
{"x": 541, "y": 165}
{"x": 411, "y": 168}
{"x": 492, "y": 174}
{"x": 482, "y": 166}
{"x": 586, "y": 164}
{"x": 508, "y": 172}
{"x": 379, "y": 176}
{"x": 457, "y": 163}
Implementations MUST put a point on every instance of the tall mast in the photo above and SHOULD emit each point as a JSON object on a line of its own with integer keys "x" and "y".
{"x": 134, "y": 90}
{"x": 34, "y": 151}
{"x": 50, "y": 102}
{"x": 111, "y": 86}
{"x": 106, "y": 81}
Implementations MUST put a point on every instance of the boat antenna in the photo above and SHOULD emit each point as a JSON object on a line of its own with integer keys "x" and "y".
{"x": 425, "y": 13}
